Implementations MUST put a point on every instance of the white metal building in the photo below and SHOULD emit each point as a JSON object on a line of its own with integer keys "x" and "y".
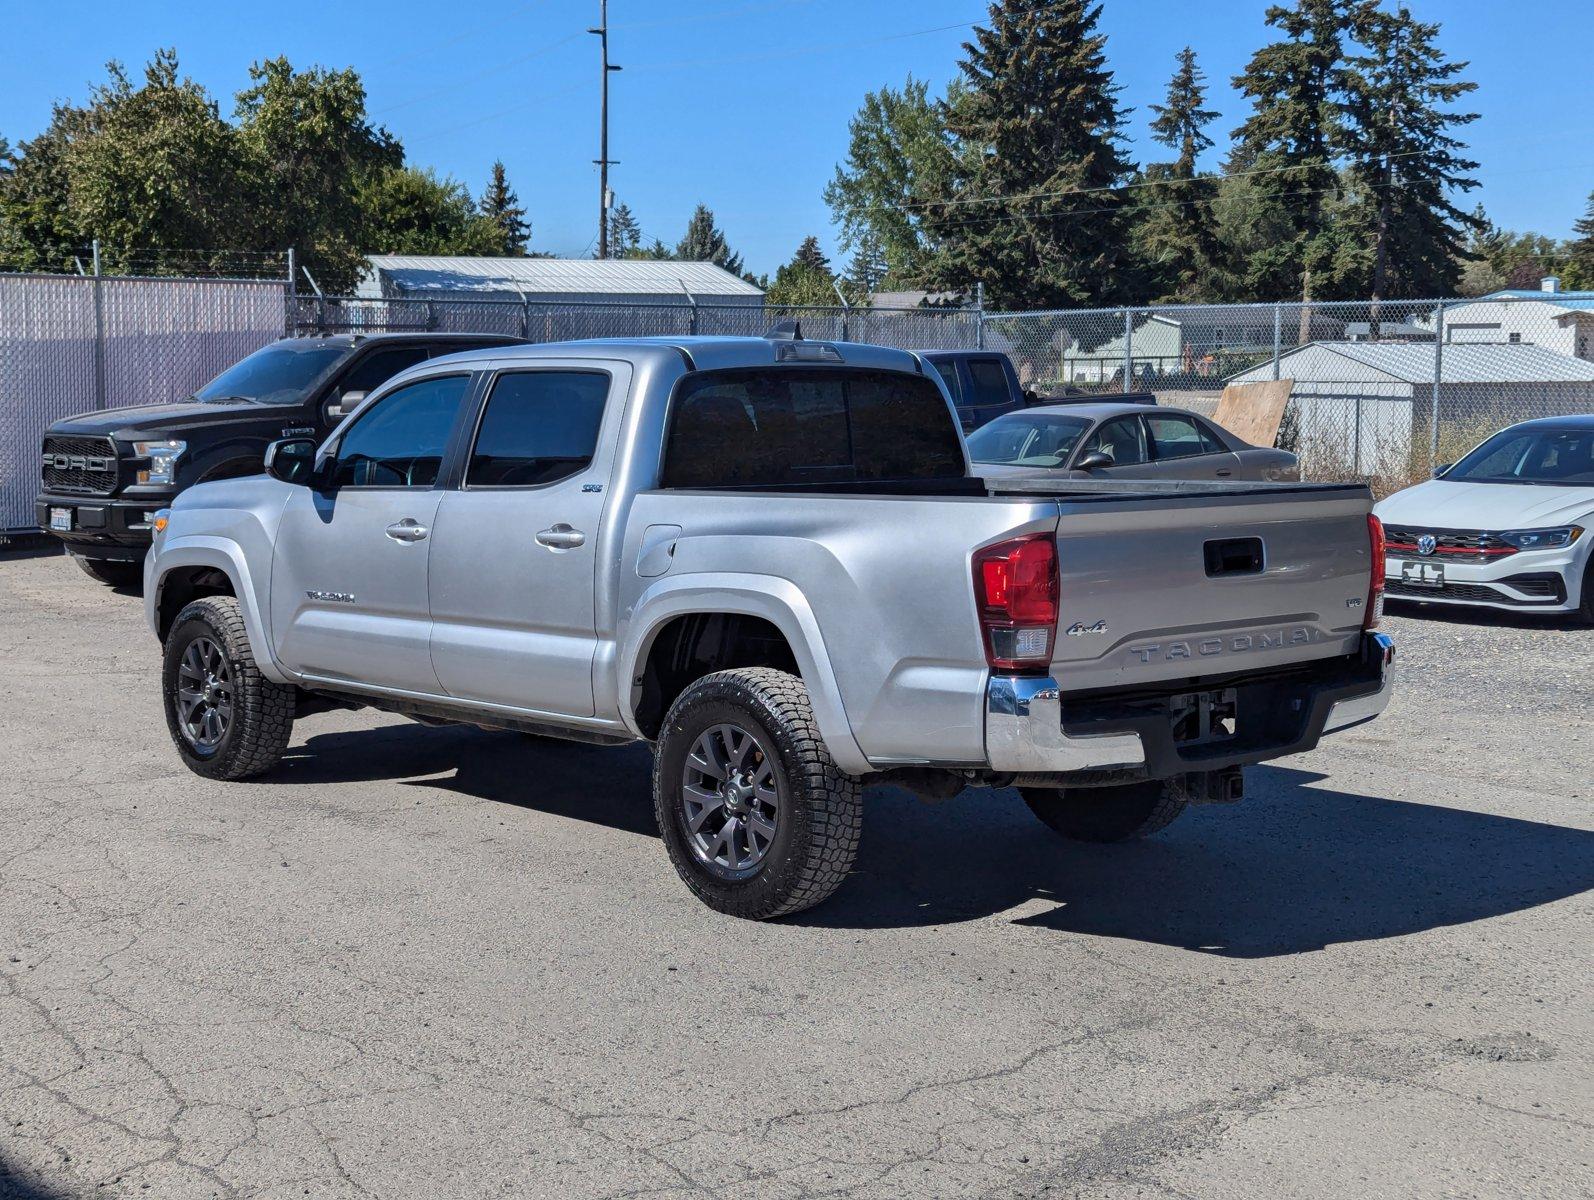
{"x": 1557, "y": 320}
{"x": 553, "y": 280}
{"x": 1368, "y": 403}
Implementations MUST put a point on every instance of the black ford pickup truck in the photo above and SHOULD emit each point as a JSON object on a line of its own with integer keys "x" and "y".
{"x": 106, "y": 473}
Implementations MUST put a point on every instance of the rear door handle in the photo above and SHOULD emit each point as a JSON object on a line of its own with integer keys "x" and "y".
{"x": 1225, "y": 473}
{"x": 561, "y": 537}
{"x": 407, "y": 530}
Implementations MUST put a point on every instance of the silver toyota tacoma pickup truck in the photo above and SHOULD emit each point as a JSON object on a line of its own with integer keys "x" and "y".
{"x": 769, "y": 558}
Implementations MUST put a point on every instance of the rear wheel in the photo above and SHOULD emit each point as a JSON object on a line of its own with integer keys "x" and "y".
{"x": 1107, "y": 814}
{"x": 227, "y": 720}
{"x": 111, "y": 571}
{"x": 757, "y": 819}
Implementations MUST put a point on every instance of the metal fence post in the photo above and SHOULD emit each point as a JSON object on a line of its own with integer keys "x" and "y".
{"x": 1278, "y": 336}
{"x": 291, "y": 324}
{"x": 1129, "y": 344}
{"x": 99, "y": 332}
{"x": 979, "y": 315}
{"x": 1438, "y": 375}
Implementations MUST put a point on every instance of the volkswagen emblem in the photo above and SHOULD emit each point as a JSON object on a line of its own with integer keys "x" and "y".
{"x": 1426, "y": 543}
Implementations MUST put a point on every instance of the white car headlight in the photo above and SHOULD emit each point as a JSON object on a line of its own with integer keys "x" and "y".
{"x": 162, "y": 457}
{"x": 1542, "y": 539}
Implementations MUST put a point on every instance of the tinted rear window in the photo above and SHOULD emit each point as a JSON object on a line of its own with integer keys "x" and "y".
{"x": 809, "y": 425}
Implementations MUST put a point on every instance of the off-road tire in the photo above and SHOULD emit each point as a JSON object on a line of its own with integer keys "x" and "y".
{"x": 1107, "y": 814}
{"x": 821, "y": 806}
{"x": 110, "y": 571}
{"x": 262, "y": 711}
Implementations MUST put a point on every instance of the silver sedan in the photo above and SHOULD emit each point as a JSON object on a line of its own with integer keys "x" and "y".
{"x": 1119, "y": 441}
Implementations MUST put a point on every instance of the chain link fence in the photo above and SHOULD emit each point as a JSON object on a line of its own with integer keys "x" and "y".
{"x": 72, "y": 344}
{"x": 1380, "y": 392}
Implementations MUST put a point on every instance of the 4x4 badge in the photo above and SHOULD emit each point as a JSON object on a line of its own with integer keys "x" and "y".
{"x": 1079, "y": 630}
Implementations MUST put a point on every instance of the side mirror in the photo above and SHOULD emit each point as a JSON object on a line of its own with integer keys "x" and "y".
{"x": 1031, "y": 396}
{"x": 341, "y": 406}
{"x": 292, "y": 460}
{"x": 1439, "y": 471}
{"x": 1094, "y": 461}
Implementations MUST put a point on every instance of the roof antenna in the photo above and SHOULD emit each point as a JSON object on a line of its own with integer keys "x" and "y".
{"x": 785, "y": 331}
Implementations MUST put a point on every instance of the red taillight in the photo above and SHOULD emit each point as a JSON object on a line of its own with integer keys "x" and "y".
{"x": 1015, "y": 590}
{"x": 1375, "y": 584}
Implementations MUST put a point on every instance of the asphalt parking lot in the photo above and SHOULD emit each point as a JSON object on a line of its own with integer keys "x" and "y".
{"x": 422, "y": 962}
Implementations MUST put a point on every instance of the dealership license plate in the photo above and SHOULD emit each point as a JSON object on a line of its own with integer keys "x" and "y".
{"x": 1423, "y": 574}
{"x": 61, "y": 519}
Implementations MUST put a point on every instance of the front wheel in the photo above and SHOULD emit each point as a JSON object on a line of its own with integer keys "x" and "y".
{"x": 1107, "y": 814}
{"x": 227, "y": 720}
{"x": 758, "y": 820}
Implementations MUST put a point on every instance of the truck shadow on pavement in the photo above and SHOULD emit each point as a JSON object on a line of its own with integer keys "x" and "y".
{"x": 14, "y": 1187}
{"x": 1295, "y": 866}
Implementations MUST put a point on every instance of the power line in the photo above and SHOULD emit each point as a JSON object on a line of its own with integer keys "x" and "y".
{"x": 799, "y": 51}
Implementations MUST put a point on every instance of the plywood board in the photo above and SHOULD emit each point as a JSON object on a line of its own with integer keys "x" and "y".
{"x": 1253, "y": 411}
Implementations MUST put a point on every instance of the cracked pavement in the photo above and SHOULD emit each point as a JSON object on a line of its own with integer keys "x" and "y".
{"x": 438, "y": 962}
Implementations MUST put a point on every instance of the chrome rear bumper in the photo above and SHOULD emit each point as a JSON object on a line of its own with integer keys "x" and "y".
{"x": 1024, "y": 724}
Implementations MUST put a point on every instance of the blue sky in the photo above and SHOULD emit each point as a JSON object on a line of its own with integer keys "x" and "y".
{"x": 743, "y": 104}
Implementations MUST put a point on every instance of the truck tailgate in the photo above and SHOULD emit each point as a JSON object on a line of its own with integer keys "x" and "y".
{"x": 1181, "y": 583}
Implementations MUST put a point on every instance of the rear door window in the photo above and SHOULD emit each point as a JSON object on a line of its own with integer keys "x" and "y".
{"x": 376, "y": 368}
{"x": 1121, "y": 439}
{"x": 808, "y": 425}
{"x": 948, "y": 371}
{"x": 1174, "y": 436}
{"x": 538, "y": 427}
{"x": 988, "y": 383}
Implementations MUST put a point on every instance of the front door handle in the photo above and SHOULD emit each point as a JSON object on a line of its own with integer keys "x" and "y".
{"x": 561, "y": 537}
{"x": 1225, "y": 473}
{"x": 407, "y": 530}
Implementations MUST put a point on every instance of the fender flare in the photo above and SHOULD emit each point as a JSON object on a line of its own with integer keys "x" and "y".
{"x": 199, "y": 550}
{"x": 777, "y": 601}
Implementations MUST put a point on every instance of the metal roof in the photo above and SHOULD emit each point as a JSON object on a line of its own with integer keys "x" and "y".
{"x": 1579, "y": 300}
{"x": 563, "y": 276}
{"x": 1462, "y": 362}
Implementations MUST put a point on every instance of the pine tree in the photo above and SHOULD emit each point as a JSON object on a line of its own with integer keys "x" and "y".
{"x": 810, "y": 257}
{"x": 1177, "y": 234}
{"x": 1287, "y": 145}
{"x": 1401, "y": 155}
{"x": 805, "y": 280}
{"x": 1031, "y": 209}
{"x": 1181, "y": 123}
{"x": 501, "y": 207}
{"x": 704, "y": 242}
{"x": 625, "y": 235}
{"x": 867, "y": 268}
{"x": 1579, "y": 268}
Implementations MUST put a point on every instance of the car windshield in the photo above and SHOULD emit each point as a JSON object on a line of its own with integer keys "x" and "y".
{"x": 1550, "y": 457}
{"x": 275, "y": 374}
{"x": 1027, "y": 440}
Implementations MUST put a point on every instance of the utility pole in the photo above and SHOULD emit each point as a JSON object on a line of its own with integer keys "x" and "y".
{"x": 603, "y": 160}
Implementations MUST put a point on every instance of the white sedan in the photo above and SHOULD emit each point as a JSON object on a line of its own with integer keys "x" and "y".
{"x": 1507, "y": 527}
